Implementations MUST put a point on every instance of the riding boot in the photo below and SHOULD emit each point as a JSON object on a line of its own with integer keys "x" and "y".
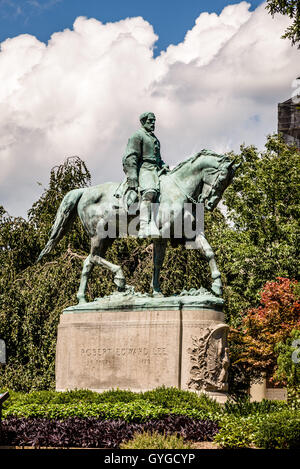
{"x": 148, "y": 227}
{"x": 145, "y": 217}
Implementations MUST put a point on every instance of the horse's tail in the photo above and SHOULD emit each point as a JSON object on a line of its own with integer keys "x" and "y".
{"x": 63, "y": 221}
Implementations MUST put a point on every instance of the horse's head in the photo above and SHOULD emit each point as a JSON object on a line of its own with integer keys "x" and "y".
{"x": 215, "y": 181}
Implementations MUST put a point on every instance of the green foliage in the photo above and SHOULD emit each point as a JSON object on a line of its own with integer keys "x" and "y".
{"x": 166, "y": 397}
{"x": 70, "y": 397}
{"x": 279, "y": 431}
{"x": 243, "y": 424}
{"x": 138, "y": 410}
{"x": 171, "y": 398}
{"x": 155, "y": 440}
{"x": 72, "y": 174}
{"x": 290, "y": 8}
{"x": 288, "y": 360}
{"x": 268, "y": 325}
{"x": 112, "y": 404}
{"x": 257, "y": 246}
{"x": 273, "y": 429}
{"x": 237, "y": 432}
{"x": 244, "y": 407}
{"x": 263, "y": 204}
{"x": 293, "y": 394}
{"x": 32, "y": 296}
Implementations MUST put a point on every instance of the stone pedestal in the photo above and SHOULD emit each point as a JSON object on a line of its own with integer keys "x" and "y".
{"x": 140, "y": 348}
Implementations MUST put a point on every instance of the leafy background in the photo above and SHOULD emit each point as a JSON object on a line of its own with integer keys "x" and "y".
{"x": 256, "y": 242}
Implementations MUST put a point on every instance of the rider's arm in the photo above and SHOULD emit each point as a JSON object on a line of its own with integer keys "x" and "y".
{"x": 131, "y": 159}
{"x": 163, "y": 165}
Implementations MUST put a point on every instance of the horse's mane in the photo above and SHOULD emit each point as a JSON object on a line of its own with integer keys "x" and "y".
{"x": 191, "y": 159}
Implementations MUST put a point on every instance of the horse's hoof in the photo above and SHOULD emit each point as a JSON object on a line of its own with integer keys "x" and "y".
{"x": 216, "y": 287}
{"x": 217, "y": 291}
{"x": 157, "y": 294}
{"x": 81, "y": 301}
{"x": 120, "y": 282}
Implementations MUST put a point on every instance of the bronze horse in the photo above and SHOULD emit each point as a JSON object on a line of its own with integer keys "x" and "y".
{"x": 201, "y": 178}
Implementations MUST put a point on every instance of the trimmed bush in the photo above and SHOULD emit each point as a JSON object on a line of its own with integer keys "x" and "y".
{"x": 112, "y": 404}
{"x": 107, "y": 419}
{"x": 236, "y": 432}
{"x": 279, "y": 431}
{"x": 166, "y": 397}
{"x": 81, "y": 395}
{"x": 96, "y": 433}
{"x": 174, "y": 397}
{"x": 136, "y": 411}
{"x": 243, "y": 407}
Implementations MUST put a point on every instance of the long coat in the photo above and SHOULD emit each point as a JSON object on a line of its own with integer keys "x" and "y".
{"x": 142, "y": 159}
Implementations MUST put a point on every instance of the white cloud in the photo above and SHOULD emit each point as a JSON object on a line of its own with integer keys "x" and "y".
{"x": 83, "y": 92}
{"x": 209, "y": 34}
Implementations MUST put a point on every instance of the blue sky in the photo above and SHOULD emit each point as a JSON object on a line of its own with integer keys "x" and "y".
{"x": 170, "y": 18}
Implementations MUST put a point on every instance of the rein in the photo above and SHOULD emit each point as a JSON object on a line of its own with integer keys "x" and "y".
{"x": 189, "y": 197}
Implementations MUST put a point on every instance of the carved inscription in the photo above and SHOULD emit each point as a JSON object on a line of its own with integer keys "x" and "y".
{"x": 94, "y": 356}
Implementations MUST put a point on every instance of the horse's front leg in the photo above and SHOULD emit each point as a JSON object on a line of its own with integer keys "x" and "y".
{"x": 159, "y": 249}
{"x": 203, "y": 244}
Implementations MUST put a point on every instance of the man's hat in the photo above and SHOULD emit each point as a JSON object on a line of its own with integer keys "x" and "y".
{"x": 143, "y": 117}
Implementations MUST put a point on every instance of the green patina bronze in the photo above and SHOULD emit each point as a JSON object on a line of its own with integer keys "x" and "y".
{"x": 131, "y": 300}
{"x": 143, "y": 166}
{"x": 201, "y": 178}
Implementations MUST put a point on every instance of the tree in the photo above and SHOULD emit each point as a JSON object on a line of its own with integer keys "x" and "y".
{"x": 261, "y": 240}
{"x": 256, "y": 242}
{"x": 290, "y": 8}
{"x": 31, "y": 296}
{"x": 264, "y": 327}
{"x": 288, "y": 363}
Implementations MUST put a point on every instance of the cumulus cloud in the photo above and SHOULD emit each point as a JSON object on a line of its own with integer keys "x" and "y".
{"x": 82, "y": 93}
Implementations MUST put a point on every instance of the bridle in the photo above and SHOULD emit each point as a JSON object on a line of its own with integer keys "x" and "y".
{"x": 189, "y": 197}
{"x": 212, "y": 186}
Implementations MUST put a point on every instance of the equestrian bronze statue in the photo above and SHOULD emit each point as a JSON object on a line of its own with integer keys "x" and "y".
{"x": 102, "y": 209}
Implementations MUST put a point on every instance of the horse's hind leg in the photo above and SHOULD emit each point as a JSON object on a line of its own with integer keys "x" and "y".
{"x": 203, "y": 244}
{"x": 98, "y": 251}
{"x": 119, "y": 278}
{"x": 86, "y": 270}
